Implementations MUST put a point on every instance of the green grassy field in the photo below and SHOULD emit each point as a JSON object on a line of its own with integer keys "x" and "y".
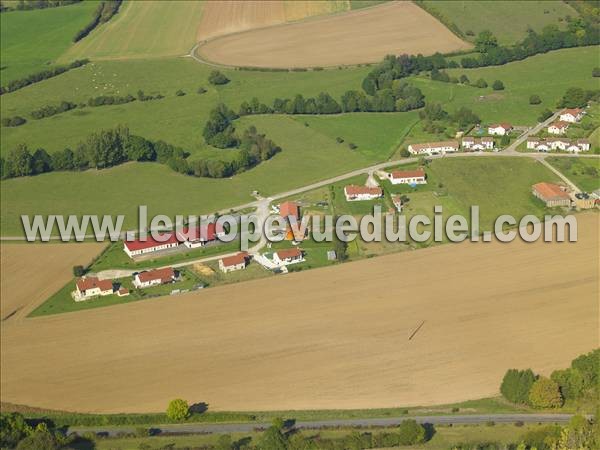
{"x": 508, "y": 20}
{"x": 584, "y": 172}
{"x": 31, "y": 41}
{"x": 143, "y": 30}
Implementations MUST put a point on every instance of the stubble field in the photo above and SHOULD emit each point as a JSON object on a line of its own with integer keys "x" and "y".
{"x": 294, "y": 342}
{"x": 359, "y": 36}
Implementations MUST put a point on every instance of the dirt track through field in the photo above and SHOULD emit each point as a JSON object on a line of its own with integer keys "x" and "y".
{"x": 33, "y": 272}
{"x": 330, "y": 338}
{"x": 353, "y": 37}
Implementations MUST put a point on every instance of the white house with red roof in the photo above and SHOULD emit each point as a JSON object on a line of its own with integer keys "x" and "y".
{"x": 571, "y": 115}
{"x": 397, "y": 201}
{"x": 89, "y": 287}
{"x": 288, "y": 256}
{"x": 289, "y": 210}
{"x": 500, "y": 129}
{"x": 568, "y": 145}
{"x": 195, "y": 236}
{"x": 139, "y": 247}
{"x": 416, "y": 176}
{"x": 154, "y": 277}
{"x": 433, "y": 148}
{"x": 559, "y": 127}
{"x": 233, "y": 263}
{"x": 356, "y": 193}
{"x": 472, "y": 143}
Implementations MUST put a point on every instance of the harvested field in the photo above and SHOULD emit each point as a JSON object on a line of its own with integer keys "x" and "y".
{"x": 328, "y": 338}
{"x": 359, "y": 36}
{"x": 231, "y": 16}
{"x": 33, "y": 272}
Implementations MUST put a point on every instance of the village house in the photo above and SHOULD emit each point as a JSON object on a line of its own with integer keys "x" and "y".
{"x": 471, "y": 143}
{"x": 559, "y": 127}
{"x": 288, "y": 256}
{"x": 355, "y": 193}
{"x": 397, "y": 201}
{"x": 500, "y": 129}
{"x": 232, "y": 263}
{"x": 571, "y": 115}
{"x": 289, "y": 209}
{"x": 196, "y": 236}
{"x": 407, "y": 176}
{"x": 433, "y": 148}
{"x": 89, "y": 287}
{"x": 546, "y": 145}
{"x": 123, "y": 292}
{"x": 139, "y": 247}
{"x": 552, "y": 194}
{"x": 154, "y": 277}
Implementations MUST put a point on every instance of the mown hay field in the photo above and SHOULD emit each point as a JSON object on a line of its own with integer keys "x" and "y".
{"x": 359, "y": 36}
{"x": 336, "y": 337}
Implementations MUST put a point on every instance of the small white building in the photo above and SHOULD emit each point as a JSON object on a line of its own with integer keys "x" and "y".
{"x": 90, "y": 287}
{"x": 154, "y": 277}
{"x": 355, "y": 193}
{"x": 288, "y": 256}
{"x": 571, "y": 115}
{"x": 397, "y": 201}
{"x": 233, "y": 263}
{"x": 433, "y": 148}
{"x": 559, "y": 127}
{"x": 407, "y": 176}
{"x": 500, "y": 129}
{"x": 473, "y": 144}
{"x": 546, "y": 145}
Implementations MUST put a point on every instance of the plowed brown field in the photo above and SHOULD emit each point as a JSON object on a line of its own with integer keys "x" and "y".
{"x": 353, "y": 37}
{"x": 330, "y": 338}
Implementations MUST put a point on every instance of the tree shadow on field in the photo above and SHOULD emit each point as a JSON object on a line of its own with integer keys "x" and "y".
{"x": 198, "y": 408}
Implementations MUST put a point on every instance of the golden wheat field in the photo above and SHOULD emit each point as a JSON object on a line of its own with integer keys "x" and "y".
{"x": 353, "y": 37}
{"x": 336, "y": 337}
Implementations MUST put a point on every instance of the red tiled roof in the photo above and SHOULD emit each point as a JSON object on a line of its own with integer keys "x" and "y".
{"x": 85, "y": 283}
{"x": 408, "y": 173}
{"x": 506, "y": 126}
{"x": 559, "y": 124}
{"x": 150, "y": 242}
{"x": 287, "y": 209}
{"x": 573, "y": 111}
{"x": 202, "y": 232}
{"x": 289, "y": 253}
{"x": 360, "y": 190}
{"x": 549, "y": 191}
{"x": 234, "y": 260}
{"x": 164, "y": 275}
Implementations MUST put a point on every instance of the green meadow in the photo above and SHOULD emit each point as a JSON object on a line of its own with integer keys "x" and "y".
{"x": 584, "y": 172}
{"x": 31, "y": 41}
{"x": 508, "y": 20}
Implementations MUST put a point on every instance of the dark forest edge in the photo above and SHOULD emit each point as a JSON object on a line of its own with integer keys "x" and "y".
{"x": 104, "y": 12}
{"x": 28, "y": 5}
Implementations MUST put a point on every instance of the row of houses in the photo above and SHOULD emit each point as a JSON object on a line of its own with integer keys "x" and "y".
{"x": 567, "y": 117}
{"x": 569, "y": 145}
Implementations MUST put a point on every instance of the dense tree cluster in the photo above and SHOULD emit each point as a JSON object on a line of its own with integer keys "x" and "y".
{"x": 578, "y": 98}
{"x": 27, "y": 5}
{"x": 104, "y": 12}
{"x": 535, "y": 99}
{"x": 40, "y": 76}
{"x": 217, "y": 78}
{"x": 103, "y": 100}
{"x": 14, "y": 121}
{"x": 218, "y": 130}
{"x": 596, "y": 72}
{"x": 498, "y": 85}
{"x": 51, "y": 110}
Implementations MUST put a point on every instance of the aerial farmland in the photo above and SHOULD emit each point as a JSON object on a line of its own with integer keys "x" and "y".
{"x": 229, "y": 224}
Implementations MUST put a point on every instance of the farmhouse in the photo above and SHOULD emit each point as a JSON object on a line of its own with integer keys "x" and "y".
{"x": 397, "y": 201}
{"x": 433, "y": 148}
{"x": 355, "y": 193}
{"x": 559, "y": 127}
{"x": 199, "y": 235}
{"x": 140, "y": 247}
{"x": 408, "y": 176}
{"x": 232, "y": 263}
{"x": 154, "y": 277}
{"x": 288, "y": 256}
{"x": 545, "y": 145}
{"x": 500, "y": 129}
{"x": 571, "y": 115}
{"x": 289, "y": 209}
{"x": 484, "y": 143}
{"x": 551, "y": 194}
{"x": 89, "y": 287}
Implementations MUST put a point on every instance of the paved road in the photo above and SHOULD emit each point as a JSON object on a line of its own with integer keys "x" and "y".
{"x": 386, "y": 422}
{"x": 512, "y": 148}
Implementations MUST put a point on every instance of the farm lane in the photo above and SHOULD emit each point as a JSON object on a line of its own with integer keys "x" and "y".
{"x": 512, "y": 148}
{"x": 385, "y": 422}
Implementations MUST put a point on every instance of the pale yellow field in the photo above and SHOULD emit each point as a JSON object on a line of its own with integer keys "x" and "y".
{"x": 328, "y": 338}
{"x": 232, "y": 16}
{"x": 33, "y": 272}
{"x": 353, "y": 37}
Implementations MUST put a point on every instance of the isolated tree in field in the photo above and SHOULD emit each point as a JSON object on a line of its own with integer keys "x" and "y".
{"x": 481, "y": 83}
{"x": 464, "y": 79}
{"x": 498, "y": 85}
{"x": 217, "y": 78}
{"x": 178, "y": 409}
{"x": 596, "y": 72}
{"x": 535, "y": 100}
{"x": 545, "y": 393}
{"x": 516, "y": 385}
{"x": 410, "y": 432}
{"x": 78, "y": 271}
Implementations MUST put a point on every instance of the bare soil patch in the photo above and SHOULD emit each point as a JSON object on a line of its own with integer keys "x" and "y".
{"x": 353, "y": 37}
{"x": 203, "y": 269}
{"x": 33, "y": 272}
{"x": 330, "y": 338}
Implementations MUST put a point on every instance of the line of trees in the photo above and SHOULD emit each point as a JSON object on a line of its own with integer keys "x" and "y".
{"x": 576, "y": 97}
{"x": 27, "y": 5}
{"x": 51, "y": 110}
{"x": 14, "y": 121}
{"x": 104, "y": 12}
{"x": 579, "y": 380}
{"x": 112, "y": 147}
{"x": 40, "y": 76}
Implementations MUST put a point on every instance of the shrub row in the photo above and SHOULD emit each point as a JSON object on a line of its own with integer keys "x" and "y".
{"x": 40, "y": 76}
{"x": 103, "y": 13}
